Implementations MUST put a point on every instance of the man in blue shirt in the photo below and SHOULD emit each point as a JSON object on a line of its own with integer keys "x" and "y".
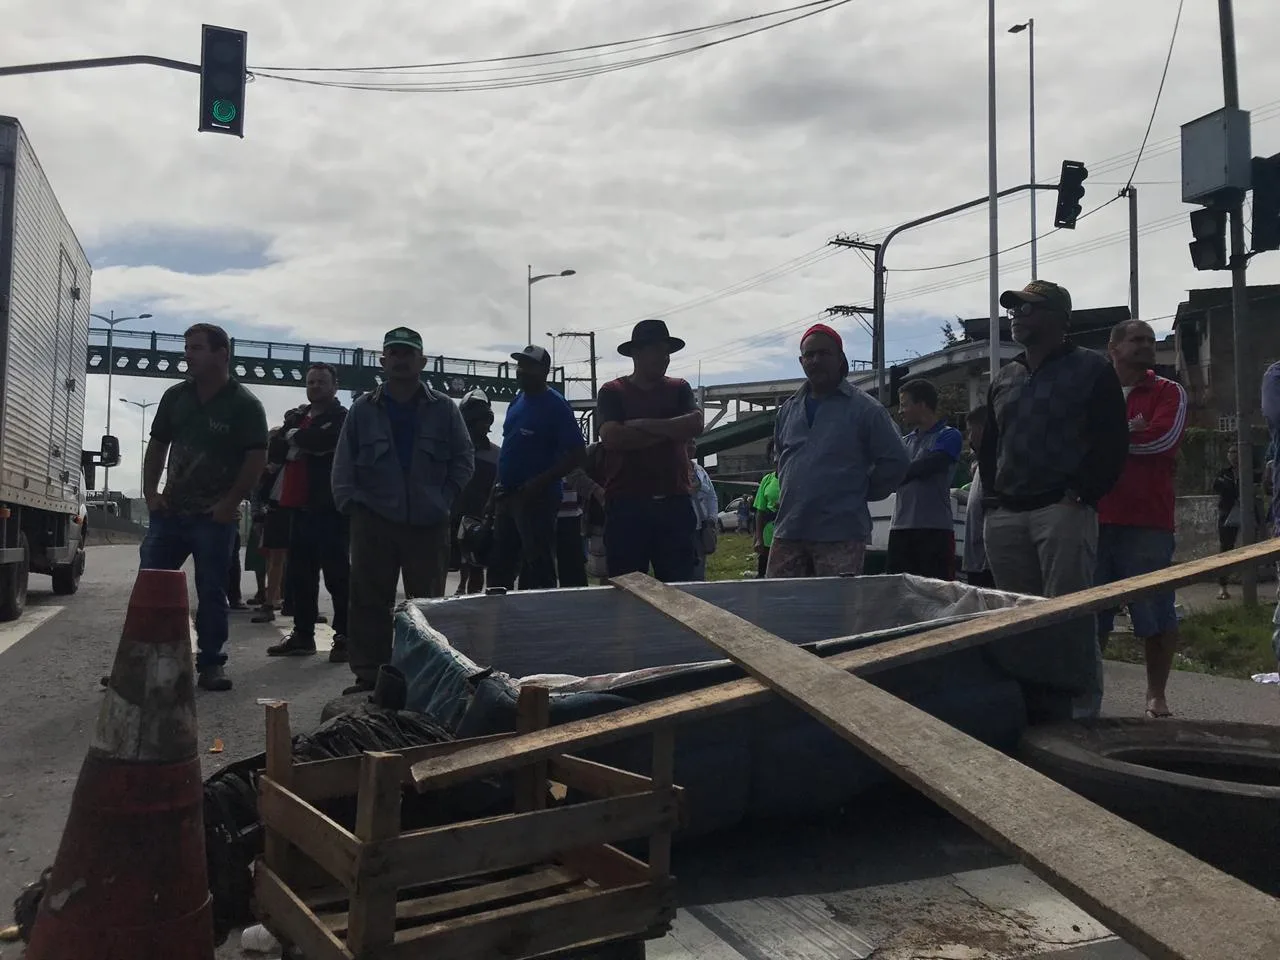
{"x": 922, "y": 537}
{"x": 541, "y": 442}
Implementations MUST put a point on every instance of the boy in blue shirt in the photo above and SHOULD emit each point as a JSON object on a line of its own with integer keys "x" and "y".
{"x": 541, "y": 442}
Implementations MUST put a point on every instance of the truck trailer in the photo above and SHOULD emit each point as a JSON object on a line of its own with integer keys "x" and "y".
{"x": 44, "y": 333}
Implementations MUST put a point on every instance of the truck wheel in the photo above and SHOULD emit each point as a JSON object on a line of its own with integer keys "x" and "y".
{"x": 13, "y": 583}
{"x": 66, "y": 580}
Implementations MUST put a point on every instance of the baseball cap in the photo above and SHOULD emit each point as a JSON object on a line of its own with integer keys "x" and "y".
{"x": 402, "y": 337}
{"x": 536, "y": 355}
{"x": 1050, "y": 294}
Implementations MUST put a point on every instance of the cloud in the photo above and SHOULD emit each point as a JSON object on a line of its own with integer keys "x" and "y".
{"x": 343, "y": 213}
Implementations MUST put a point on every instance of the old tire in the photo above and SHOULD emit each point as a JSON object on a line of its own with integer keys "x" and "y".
{"x": 1211, "y": 788}
{"x": 14, "y": 578}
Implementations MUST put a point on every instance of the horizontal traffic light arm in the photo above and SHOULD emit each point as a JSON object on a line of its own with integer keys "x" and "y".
{"x": 136, "y": 60}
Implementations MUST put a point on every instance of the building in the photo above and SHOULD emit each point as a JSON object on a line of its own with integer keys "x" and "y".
{"x": 1205, "y": 353}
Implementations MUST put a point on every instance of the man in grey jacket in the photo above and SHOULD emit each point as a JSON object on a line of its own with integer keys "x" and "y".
{"x": 403, "y": 456}
{"x": 837, "y": 450}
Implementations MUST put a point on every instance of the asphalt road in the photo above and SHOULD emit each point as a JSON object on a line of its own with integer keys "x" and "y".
{"x": 51, "y": 661}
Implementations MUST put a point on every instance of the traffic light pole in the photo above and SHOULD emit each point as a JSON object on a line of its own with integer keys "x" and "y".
{"x": 140, "y": 59}
{"x": 882, "y": 247}
{"x": 1244, "y": 389}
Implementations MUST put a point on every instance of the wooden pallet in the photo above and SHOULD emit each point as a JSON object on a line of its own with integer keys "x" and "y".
{"x": 544, "y": 880}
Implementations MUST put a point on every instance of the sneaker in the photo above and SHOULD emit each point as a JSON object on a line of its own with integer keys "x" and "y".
{"x": 293, "y": 646}
{"x": 214, "y": 679}
{"x": 339, "y": 652}
{"x": 237, "y": 605}
{"x": 264, "y": 615}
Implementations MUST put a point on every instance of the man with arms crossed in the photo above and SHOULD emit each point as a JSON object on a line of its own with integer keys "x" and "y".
{"x": 1055, "y": 442}
{"x": 214, "y": 433}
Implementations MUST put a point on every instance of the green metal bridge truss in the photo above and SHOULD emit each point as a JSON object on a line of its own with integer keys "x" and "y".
{"x": 137, "y": 353}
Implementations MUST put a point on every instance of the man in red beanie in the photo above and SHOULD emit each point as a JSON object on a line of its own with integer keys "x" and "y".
{"x": 837, "y": 451}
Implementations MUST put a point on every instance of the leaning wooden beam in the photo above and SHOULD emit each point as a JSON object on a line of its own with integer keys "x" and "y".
{"x": 1162, "y": 900}
{"x": 488, "y": 758}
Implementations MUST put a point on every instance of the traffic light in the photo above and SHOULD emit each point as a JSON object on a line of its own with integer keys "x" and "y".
{"x": 1266, "y": 203}
{"x": 1209, "y": 249}
{"x": 897, "y": 377}
{"x": 223, "y": 64}
{"x": 1070, "y": 193}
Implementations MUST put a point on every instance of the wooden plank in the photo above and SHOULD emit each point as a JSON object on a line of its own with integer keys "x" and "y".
{"x": 533, "y": 713}
{"x": 516, "y": 839}
{"x": 580, "y": 735}
{"x": 373, "y": 903}
{"x": 280, "y": 769}
{"x": 599, "y": 780}
{"x": 485, "y": 895}
{"x": 320, "y": 780}
{"x": 605, "y": 865}
{"x": 290, "y": 920}
{"x": 664, "y": 764}
{"x": 543, "y": 926}
{"x": 1162, "y": 900}
{"x": 325, "y": 841}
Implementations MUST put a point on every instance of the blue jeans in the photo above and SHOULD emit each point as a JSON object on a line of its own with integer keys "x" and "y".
{"x": 657, "y": 532}
{"x": 170, "y": 540}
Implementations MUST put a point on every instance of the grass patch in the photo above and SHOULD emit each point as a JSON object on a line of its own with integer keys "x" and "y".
{"x": 734, "y": 559}
{"x": 1232, "y": 641}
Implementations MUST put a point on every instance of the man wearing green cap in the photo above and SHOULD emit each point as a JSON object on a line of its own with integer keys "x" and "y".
{"x": 1055, "y": 442}
{"x": 403, "y": 456}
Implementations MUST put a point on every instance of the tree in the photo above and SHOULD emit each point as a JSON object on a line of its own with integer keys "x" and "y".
{"x": 949, "y": 337}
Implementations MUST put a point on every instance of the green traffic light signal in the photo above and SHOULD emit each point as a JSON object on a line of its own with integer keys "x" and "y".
{"x": 224, "y": 111}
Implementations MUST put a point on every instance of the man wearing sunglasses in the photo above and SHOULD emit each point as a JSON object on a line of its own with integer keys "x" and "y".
{"x": 1055, "y": 442}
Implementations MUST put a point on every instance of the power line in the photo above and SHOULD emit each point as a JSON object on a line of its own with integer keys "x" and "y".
{"x": 1159, "y": 90}
{"x": 799, "y": 12}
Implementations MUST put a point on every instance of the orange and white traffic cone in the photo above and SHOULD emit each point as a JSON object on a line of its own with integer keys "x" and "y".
{"x": 130, "y": 880}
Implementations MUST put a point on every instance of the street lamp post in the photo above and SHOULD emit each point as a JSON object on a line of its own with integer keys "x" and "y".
{"x": 144, "y": 406}
{"x": 1030, "y": 27}
{"x": 111, "y": 322}
{"x": 532, "y": 279}
{"x": 993, "y": 189}
{"x": 552, "y": 337}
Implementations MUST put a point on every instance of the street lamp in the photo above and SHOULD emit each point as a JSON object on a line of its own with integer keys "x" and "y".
{"x": 552, "y": 337}
{"x": 111, "y": 322}
{"x": 144, "y": 406}
{"x": 529, "y": 299}
{"x": 1030, "y": 27}
{"x": 993, "y": 214}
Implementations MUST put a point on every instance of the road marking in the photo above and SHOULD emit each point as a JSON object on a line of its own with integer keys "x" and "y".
{"x": 31, "y": 619}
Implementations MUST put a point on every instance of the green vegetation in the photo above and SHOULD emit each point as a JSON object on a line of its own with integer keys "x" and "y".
{"x": 735, "y": 557}
{"x": 1232, "y": 641}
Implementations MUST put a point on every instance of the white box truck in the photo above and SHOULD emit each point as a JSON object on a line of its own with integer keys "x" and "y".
{"x": 44, "y": 333}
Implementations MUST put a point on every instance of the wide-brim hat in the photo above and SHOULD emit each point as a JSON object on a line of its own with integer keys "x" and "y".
{"x": 648, "y": 332}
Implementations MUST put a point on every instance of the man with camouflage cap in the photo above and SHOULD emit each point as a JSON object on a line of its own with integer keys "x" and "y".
{"x": 1055, "y": 442}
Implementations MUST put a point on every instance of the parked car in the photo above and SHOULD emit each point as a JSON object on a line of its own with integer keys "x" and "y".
{"x": 727, "y": 519}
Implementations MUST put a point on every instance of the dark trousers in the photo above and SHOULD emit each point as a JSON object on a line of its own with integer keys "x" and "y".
{"x": 762, "y": 563}
{"x": 980, "y": 578}
{"x": 524, "y": 543}
{"x": 925, "y": 553}
{"x": 382, "y": 552}
{"x": 318, "y": 543}
{"x": 170, "y": 540}
{"x": 234, "y": 595}
{"x": 1227, "y": 537}
{"x": 644, "y": 532}
{"x": 571, "y": 553}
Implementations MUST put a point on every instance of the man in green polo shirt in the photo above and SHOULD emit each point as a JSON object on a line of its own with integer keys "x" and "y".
{"x": 213, "y": 434}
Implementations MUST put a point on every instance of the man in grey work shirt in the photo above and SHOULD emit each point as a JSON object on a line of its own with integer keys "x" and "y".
{"x": 837, "y": 451}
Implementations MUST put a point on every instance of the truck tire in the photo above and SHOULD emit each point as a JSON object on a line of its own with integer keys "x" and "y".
{"x": 66, "y": 580}
{"x": 13, "y": 583}
{"x": 1212, "y": 788}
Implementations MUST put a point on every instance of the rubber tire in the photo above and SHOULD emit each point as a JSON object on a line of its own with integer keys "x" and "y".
{"x": 1228, "y": 823}
{"x": 66, "y": 580}
{"x": 14, "y": 580}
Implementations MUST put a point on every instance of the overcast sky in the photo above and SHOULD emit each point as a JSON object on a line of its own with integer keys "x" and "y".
{"x": 344, "y": 213}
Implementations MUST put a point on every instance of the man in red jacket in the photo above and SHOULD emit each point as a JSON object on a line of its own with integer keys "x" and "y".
{"x": 1135, "y": 520}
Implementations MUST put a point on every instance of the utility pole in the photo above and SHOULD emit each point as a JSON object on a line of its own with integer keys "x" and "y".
{"x": 993, "y": 212}
{"x": 590, "y": 337}
{"x": 877, "y": 310}
{"x": 1245, "y": 392}
{"x": 1132, "y": 193}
